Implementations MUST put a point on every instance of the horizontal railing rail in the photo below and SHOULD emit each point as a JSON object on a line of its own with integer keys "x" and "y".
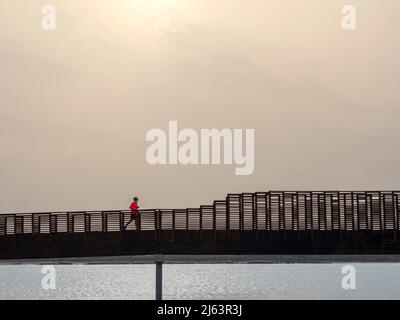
{"x": 259, "y": 211}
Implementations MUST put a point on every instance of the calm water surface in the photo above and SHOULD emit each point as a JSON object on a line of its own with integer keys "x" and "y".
{"x": 203, "y": 281}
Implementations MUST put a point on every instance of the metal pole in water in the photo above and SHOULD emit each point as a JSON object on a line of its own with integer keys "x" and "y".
{"x": 159, "y": 259}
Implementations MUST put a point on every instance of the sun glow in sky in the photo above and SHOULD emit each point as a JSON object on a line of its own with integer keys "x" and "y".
{"x": 150, "y": 8}
{"x": 76, "y": 102}
{"x": 153, "y": 4}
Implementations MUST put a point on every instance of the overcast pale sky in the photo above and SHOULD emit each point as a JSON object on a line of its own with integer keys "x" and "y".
{"x": 76, "y": 102}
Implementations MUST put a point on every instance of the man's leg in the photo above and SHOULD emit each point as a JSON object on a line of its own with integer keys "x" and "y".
{"x": 128, "y": 223}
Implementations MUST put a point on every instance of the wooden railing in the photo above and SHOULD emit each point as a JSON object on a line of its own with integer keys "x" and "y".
{"x": 261, "y": 211}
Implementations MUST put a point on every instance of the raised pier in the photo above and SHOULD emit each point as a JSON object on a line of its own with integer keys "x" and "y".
{"x": 274, "y": 222}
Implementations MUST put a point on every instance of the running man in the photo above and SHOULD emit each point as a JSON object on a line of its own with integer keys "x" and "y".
{"x": 134, "y": 213}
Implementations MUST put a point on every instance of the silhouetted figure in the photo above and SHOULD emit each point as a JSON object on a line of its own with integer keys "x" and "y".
{"x": 134, "y": 213}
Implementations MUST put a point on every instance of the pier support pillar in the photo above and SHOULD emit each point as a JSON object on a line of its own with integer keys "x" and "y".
{"x": 159, "y": 259}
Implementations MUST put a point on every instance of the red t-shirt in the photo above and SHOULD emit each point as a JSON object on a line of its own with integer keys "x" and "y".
{"x": 133, "y": 207}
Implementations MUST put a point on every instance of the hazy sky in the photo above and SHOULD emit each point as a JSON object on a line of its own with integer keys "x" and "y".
{"x": 76, "y": 102}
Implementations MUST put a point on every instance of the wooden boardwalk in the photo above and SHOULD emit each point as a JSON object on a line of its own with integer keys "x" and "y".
{"x": 260, "y": 222}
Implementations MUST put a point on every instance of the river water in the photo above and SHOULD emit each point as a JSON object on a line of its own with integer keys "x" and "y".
{"x": 201, "y": 281}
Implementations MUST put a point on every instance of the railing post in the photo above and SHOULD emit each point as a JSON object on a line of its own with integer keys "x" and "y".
{"x": 158, "y": 226}
{"x": 53, "y": 223}
{"x": 201, "y": 222}
{"x": 228, "y": 218}
{"x": 103, "y": 222}
{"x": 69, "y": 229}
{"x": 397, "y": 216}
{"x": 255, "y": 214}
{"x": 298, "y": 217}
{"x": 394, "y": 218}
{"x": 19, "y": 225}
{"x": 39, "y": 224}
{"x": 139, "y": 220}
{"x": 88, "y": 222}
{"x": 173, "y": 225}
{"x": 311, "y": 216}
{"x": 121, "y": 221}
{"x": 15, "y": 230}
{"x": 380, "y": 212}
{"x": 187, "y": 224}
{"x": 215, "y": 221}
{"x": 324, "y": 212}
{"x": 353, "y": 222}
{"x": 282, "y": 212}
{"x": 268, "y": 217}
{"x": 241, "y": 209}
{"x": 155, "y": 225}
{"x": 15, "y": 224}
{"x": 340, "y": 217}
{"x": 384, "y": 209}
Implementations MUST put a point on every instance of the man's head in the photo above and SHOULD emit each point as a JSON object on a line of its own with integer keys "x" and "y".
{"x": 135, "y": 199}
